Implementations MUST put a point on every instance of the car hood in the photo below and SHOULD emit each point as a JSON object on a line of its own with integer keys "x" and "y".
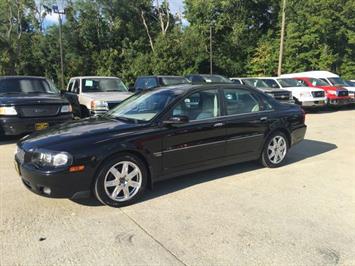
{"x": 272, "y": 90}
{"x": 77, "y": 132}
{"x": 29, "y": 99}
{"x": 107, "y": 96}
{"x": 301, "y": 89}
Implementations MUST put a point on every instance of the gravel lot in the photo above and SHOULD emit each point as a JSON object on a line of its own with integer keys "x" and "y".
{"x": 299, "y": 214}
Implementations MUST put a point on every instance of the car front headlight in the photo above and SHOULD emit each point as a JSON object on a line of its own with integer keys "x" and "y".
{"x": 8, "y": 110}
{"x": 44, "y": 158}
{"x": 66, "y": 109}
{"x": 99, "y": 105}
{"x": 270, "y": 94}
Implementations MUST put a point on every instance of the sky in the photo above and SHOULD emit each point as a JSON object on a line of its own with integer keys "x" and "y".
{"x": 176, "y": 6}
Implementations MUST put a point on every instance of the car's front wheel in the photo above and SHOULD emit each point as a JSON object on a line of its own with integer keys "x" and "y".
{"x": 121, "y": 181}
{"x": 275, "y": 150}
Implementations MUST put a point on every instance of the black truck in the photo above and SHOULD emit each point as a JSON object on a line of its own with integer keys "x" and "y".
{"x": 28, "y": 104}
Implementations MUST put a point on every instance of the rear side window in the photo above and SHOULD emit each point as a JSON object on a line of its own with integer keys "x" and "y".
{"x": 239, "y": 101}
{"x": 146, "y": 83}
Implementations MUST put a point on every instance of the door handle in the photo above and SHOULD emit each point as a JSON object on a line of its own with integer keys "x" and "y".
{"x": 218, "y": 125}
{"x": 264, "y": 118}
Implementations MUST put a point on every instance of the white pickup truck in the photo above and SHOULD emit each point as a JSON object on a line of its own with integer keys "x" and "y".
{"x": 92, "y": 95}
{"x": 304, "y": 96}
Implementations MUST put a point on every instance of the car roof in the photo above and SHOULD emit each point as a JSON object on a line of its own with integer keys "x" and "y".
{"x": 184, "y": 88}
{"x": 160, "y": 76}
{"x": 94, "y": 77}
{"x": 312, "y": 74}
{"x": 22, "y": 77}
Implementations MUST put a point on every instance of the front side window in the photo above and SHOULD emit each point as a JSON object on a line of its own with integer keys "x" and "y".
{"x": 27, "y": 86}
{"x": 103, "y": 85}
{"x": 239, "y": 101}
{"x": 199, "y": 106}
{"x": 143, "y": 106}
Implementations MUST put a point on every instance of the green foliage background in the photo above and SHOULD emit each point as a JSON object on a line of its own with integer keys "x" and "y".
{"x": 108, "y": 37}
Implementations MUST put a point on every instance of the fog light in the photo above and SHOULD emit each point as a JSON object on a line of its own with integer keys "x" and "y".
{"x": 47, "y": 190}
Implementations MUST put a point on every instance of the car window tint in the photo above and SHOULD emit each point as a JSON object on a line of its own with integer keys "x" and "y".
{"x": 271, "y": 83}
{"x": 200, "y": 105}
{"x": 240, "y": 102}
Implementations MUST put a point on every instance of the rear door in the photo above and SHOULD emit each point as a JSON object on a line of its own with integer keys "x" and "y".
{"x": 247, "y": 120}
{"x": 200, "y": 141}
{"x": 72, "y": 93}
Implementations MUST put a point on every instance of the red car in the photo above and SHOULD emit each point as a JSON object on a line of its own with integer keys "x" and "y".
{"x": 335, "y": 95}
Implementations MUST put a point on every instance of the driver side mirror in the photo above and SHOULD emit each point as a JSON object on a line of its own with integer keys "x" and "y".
{"x": 176, "y": 120}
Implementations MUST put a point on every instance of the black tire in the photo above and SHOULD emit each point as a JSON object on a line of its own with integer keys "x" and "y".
{"x": 265, "y": 158}
{"x": 100, "y": 191}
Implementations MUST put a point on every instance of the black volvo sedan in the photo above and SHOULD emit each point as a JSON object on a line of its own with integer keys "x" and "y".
{"x": 30, "y": 103}
{"x": 155, "y": 135}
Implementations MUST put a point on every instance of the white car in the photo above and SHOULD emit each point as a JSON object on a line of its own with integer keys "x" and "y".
{"x": 93, "y": 95}
{"x": 329, "y": 77}
{"x": 304, "y": 96}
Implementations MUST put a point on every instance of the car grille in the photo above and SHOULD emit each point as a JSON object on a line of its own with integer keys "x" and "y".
{"x": 343, "y": 93}
{"x": 112, "y": 104}
{"x": 38, "y": 111}
{"x": 281, "y": 95}
{"x": 318, "y": 94}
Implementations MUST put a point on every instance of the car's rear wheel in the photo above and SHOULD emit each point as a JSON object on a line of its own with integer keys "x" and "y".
{"x": 275, "y": 150}
{"x": 121, "y": 181}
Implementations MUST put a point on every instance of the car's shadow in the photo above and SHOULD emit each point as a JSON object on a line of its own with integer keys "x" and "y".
{"x": 306, "y": 149}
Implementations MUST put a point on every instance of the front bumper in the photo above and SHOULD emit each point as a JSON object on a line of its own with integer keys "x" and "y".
{"x": 62, "y": 184}
{"x": 340, "y": 101}
{"x": 20, "y": 125}
{"x": 318, "y": 103}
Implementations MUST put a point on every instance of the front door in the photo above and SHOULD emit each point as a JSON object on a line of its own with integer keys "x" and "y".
{"x": 72, "y": 95}
{"x": 202, "y": 139}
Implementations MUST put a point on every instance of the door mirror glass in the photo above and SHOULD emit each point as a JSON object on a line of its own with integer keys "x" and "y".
{"x": 176, "y": 120}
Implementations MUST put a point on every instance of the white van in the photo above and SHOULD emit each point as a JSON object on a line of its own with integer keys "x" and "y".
{"x": 329, "y": 77}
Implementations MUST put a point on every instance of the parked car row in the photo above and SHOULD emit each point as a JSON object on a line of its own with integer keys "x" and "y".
{"x": 308, "y": 89}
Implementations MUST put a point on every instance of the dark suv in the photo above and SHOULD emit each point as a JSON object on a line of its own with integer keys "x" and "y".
{"x": 30, "y": 103}
{"x": 151, "y": 82}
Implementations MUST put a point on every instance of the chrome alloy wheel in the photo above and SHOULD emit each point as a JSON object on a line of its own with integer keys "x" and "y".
{"x": 276, "y": 151}
{"x": 122, "y": 181}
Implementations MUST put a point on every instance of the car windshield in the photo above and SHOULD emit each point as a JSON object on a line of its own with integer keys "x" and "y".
{"x": 337, "y": 81}
{"x": 318, "y": 82}
{"x": 103, "y": 85}
{"x": 350, "y": 83}
{"x": 27, "y": 86}
{"x": 271, "y": 83}
{"x": 174, "y": 80}
{"x": 144, "y": 106}
{"x": 216, "y": 79}
{"x": 289, "y": 82}
{"x": 256, "y": 83}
